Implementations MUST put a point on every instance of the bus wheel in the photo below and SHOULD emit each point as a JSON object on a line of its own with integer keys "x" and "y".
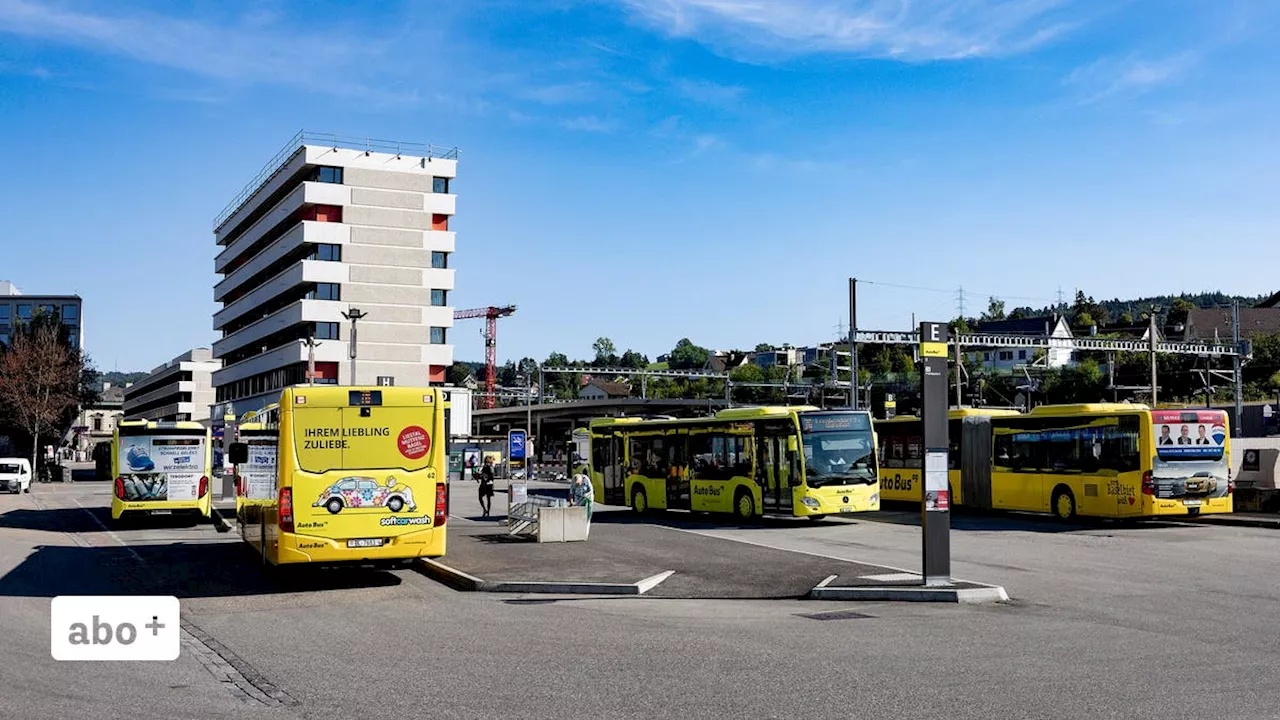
{"x": 744, "y": 506}
{"x": 639, "y": 500}
{"x": 1064, "y": 504}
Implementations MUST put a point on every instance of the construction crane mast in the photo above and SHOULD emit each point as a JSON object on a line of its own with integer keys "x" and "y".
{"x": 491, "y": 315}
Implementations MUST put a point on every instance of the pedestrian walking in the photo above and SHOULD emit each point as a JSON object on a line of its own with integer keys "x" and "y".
{"x": 583, "y": 494}
{"x": 485, "y": 478}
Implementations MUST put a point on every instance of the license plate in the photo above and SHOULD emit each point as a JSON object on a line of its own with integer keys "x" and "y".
{"x": 1191, "y": 503}
{"x": 846, "y": 509}
{"x": 365, "y": 542}
{"x": 161, "y": 512}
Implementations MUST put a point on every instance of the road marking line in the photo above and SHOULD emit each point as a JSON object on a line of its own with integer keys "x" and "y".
{"x": 111, "y": 533}
{"x": 652, "y": 581}
{"x": 826, "y": 582}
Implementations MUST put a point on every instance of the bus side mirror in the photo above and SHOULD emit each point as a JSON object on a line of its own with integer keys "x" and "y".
{"x": 238, "y": 453}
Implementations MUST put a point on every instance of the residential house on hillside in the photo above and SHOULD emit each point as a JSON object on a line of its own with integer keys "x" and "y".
{"x": 603, "y": 390}
{"x": 1007, "y": 358}
{"x": 778, "y": 357}
{"x": 726, "y": 360}
{"x": 1207, "y": 324}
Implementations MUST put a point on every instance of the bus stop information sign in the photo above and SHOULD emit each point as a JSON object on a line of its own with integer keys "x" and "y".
{"x": 935, "y": 501}
{"x": 516, "y": 444}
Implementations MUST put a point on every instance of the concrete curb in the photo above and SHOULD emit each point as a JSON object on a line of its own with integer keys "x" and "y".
{"x": 465, "y": 582}
{"x": 967, "y": 596}
{"x": 220, "y": 523}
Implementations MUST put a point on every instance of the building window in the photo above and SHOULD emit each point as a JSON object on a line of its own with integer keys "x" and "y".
{"x": 440, "y": 185}
{"x": 4, "y": 339}
{"x": 97, "y": 423}
{"x": 326, "y": 331}
{"x": 439, "y": 298}
{"x": 24, "y": 311}
{"x": 4, "y": 314}
{"x": 439, "y": 260}
{"x": 439, "y": 222}
{"x": 1022, "y": 354}
{"x": 438, "y": 335}
{"x": 70, "y": 313}
{"x": 325, "y": 291}
{"x": 74, "y": 340}
{"x": 329, "y": 253}
{"x": 326, "y": 174}
{"x": 386, "y": 381}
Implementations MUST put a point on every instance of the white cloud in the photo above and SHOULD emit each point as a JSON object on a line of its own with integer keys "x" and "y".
{"x": 259, "y": 48}
{"x": 1127, "y": 76}
{"x": 707, "y": 92}
{"x": 560, "y": 94}
{"x": 590, "y": 123}
{"x": 910, "y": 30}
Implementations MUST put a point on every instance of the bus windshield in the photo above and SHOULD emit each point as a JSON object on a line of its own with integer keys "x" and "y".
{"x": 838, "y": 449}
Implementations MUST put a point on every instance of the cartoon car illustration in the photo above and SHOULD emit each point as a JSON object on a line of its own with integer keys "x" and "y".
{"x": 365, "y": 492}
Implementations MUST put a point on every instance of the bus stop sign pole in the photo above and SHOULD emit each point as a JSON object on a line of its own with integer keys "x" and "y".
{"x": 936, "y": 497}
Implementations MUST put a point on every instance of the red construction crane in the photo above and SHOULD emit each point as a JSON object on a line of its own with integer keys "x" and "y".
{"x": 491, "y": 315}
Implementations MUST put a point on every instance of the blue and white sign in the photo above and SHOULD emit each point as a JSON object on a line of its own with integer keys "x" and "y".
{"x": 515, "y": 444}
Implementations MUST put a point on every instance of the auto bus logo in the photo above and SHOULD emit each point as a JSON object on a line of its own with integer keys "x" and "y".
{"x": 1219, "y": 433}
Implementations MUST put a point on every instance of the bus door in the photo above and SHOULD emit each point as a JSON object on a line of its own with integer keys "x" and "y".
{"x": 772, "y": 468}
{"x": 975, "y": 462}
{"x": 607, "y": 457}
{"x": 678, "y": 490}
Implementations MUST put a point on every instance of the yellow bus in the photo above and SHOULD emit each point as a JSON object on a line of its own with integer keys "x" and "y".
{"x": 160, "y": 468}
{"x": 900, "y": 453}
{"x": 1100, "y": 460}
{"x": 357, "y": 475}
{"x": 797, "y": 461}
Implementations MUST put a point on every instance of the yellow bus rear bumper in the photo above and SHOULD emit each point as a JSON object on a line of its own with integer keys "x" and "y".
{"x": 295, "y": 548}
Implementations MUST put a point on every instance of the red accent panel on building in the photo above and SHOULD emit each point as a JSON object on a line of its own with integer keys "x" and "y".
{"x": 436, "y": 373}
{"x": 327, "y": 371}
{"x": 439, "y": 222}
{"x": 322, "y": 213}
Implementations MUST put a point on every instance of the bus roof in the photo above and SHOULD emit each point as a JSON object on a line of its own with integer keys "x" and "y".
{"x": 1088, "y": 409}
{"x": 334, "y": 396}
{"x": 956, "y": 414}
{"x": 732, "y": 414}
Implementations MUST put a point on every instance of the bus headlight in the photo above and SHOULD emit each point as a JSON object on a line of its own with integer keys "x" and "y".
{"x": 809, "y": 502}
{"x": 875, "y": 497}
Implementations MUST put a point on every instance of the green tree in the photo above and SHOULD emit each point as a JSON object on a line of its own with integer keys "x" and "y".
{"x": 458, "y": 373}
{"x": 995, "y": 309}
{"x": 634, "y": 360}
{"x": 606, "y": 353}
{"x": 43, "y": 380}
{"x": 763, "y": 347}
{"x": 1021, "y": 312}
{"x": 1179, "y": 311}
{"x": 687, "y": 356}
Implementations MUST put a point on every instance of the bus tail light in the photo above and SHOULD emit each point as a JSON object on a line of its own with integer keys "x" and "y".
{"x": 1231, "y": 483}
{"x": 204, "y": 486}
{"x": 120, "y": 488}
{"x": 442, "y": 505}
{"x": 286, "y": 510}
{"x": 1148, "y": 484}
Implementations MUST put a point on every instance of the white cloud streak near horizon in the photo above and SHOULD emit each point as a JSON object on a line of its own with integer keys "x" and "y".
{"x": 907, "y": 30}
{"x": 255, "y": 50}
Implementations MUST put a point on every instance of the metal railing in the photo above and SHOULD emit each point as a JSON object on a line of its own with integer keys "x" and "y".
{"x": 303, "y": 137}
{"x": 1227, "y": 349}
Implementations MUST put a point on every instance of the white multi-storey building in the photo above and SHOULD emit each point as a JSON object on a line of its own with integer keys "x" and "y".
{"x": 181, "y": 389}
{"x": 330, "y": 225}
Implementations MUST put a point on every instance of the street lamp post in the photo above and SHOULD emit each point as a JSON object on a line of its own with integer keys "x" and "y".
{"x": 311, "y": 343}
{"x": 353, "y": 315}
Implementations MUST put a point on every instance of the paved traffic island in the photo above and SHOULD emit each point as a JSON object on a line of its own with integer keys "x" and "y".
{"x": 626, "y": 556}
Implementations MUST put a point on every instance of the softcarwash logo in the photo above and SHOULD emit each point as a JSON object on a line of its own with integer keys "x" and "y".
{"x": 423, "y": 520}
{"x": 1219, "y": 433}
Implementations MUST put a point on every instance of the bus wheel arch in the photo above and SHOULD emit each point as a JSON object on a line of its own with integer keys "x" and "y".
{"x": 1063, "y": 503}
{"x": 639, "y": 498}
{"x": 744, "y": 504}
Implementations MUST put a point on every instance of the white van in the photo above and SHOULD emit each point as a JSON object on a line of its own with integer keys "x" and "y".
{"x": 15, "y": 475}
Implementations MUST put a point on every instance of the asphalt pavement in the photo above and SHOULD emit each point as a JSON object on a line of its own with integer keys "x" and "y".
{"x": 1130, "y": 621}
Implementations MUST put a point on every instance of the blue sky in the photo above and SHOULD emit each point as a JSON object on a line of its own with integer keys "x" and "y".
{"x": 655, "y": 169}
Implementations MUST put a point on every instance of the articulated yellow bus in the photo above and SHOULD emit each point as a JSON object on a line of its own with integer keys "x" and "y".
{"x": 797, "y": 461}
{"x": 900, "y": 453}
{"x": 160, "y": 468}
{"x": 344, "y": 475}
{"x": 1101, "y": 460}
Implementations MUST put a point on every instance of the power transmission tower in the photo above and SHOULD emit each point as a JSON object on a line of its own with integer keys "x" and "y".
{"x": 960, "y": 301}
